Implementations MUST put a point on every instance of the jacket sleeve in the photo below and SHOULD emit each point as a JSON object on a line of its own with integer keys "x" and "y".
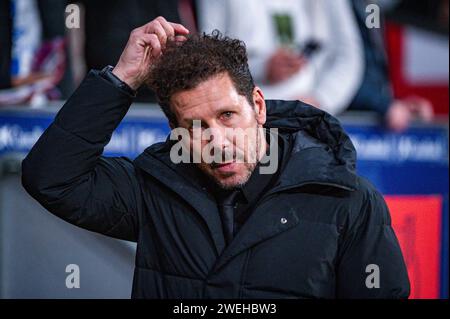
{"x": 66, "y": 172}
{"x": 370, "y": 262}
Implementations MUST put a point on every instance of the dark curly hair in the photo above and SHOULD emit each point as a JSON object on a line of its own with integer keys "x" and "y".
{"x": 185, "y": 65}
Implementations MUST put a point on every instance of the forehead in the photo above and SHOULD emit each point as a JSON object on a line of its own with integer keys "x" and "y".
{"x": 207, "y": 98}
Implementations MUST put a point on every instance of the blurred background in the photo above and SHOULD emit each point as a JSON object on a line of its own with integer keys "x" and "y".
{"x": 380, "y": 66}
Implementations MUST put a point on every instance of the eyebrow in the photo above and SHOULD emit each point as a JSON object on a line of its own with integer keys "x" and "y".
{"x": 219, "y": 110}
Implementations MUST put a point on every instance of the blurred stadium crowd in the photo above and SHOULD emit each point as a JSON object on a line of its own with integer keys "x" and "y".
{"x": 331, "y": 54}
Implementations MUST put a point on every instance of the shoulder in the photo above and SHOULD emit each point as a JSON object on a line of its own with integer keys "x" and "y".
{"x": 367, "y": 205}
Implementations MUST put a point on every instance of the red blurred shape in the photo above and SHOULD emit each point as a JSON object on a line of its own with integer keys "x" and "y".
{"x": 417, "y": 223}
{"x": 437, "y": 94}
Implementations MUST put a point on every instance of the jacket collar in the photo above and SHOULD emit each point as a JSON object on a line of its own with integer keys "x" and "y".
{"x": 322, "y": 153}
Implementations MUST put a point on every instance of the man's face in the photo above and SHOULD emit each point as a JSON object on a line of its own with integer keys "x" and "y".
{"x": 230, "y": 126}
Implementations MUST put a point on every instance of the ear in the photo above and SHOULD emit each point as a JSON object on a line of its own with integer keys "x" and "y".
{"x": 259, "y": 105}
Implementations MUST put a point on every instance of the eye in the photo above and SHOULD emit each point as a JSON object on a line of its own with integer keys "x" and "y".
{"x": 227, "y": 115}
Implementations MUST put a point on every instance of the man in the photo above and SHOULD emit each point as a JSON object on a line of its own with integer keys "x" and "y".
{"x": 218, "y": 228}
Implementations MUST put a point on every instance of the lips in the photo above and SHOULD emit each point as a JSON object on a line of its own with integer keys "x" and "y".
{"x": 224, "y": 167}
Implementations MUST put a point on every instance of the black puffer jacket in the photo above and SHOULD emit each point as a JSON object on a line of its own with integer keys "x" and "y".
{"x": 312, "y": 235}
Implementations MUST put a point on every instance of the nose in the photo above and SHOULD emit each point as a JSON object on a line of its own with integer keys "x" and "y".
{"x": 220, "y": 143}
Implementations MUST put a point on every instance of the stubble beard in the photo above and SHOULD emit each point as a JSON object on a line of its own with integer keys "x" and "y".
{"x": 241, "y": 180}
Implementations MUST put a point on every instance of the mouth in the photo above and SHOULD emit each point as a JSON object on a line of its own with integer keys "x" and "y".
{"x": 224, "y": 167}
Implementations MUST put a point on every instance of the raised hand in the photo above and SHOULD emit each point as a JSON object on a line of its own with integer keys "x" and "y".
{"x": 144, "y": 45}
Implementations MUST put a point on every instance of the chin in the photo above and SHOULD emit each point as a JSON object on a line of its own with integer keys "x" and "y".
{"x": 231, "y": 180}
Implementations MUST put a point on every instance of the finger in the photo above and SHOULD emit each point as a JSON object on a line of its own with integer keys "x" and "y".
{"x": 156, "y": 47}
{"x": 137, "y": 31}
{"x": 180, "y": 38}
{"x": 179, "y": 28}
{"x": 157, "y": 29}
{"x": 168, "y": 28}
{"x": 152, "y": 40}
